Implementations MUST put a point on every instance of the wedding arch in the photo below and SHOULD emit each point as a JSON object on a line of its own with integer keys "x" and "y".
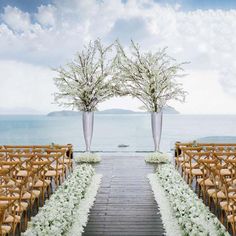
{"x": 99, "y": 72}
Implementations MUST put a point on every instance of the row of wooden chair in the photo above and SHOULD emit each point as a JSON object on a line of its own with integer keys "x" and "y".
{"x": 211, "y": 170}
{"x": 28, "y": 175}
{"x": 212, "y": 147}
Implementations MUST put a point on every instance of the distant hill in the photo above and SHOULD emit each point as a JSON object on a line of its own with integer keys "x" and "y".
{"x": 167, "y": 110}
{"x": 64, "y": 113}
{"x": 217, "y": 139}
{"x": 170, "y": 110}
{"x": 117, "y": 111}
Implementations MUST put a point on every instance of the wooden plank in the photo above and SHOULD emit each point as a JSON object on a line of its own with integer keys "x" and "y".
{"x": 125, "y": 204}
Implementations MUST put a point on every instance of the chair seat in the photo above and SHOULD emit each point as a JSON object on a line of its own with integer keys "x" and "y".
{"x": 229, "y": 180}
{"x": 5, "y": 229}
{"x": 66, "y": 161}
{"x": 225, "y": 172}
{"x": 59, "y": 167}
{"x": 11, "y": 182}
{"x": 231, "y": 218}
{"x": 22, "y": 173}
{"x": 3, "y": 203}
{"x": 6, "y": 167}
{"x": 11, "y": 219}
{"x": 197, "y": 172}
{"x": 221, "y": 195}
{"x": 215, "y": 193}
{"x": 206, "y": 182}
{"x": 226, "y": 207}
{"x": 52, "y": 173}
{"x": 23, "y": 206}
{"x": 36, "y": 193}
{"x": 212, "y": 192}
{"x": 187, "y": 165}
{"x": 40, "y": 183}
{"x": 26, "y": 196}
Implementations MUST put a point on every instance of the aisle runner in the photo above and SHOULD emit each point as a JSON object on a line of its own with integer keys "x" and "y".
{"x": 125, "y": 204}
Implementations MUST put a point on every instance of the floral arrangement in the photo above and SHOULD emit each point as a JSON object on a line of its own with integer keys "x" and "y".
{"x": 60, "y": 212}
{"x": 86, "y": 203}
{"x": 193, "y": 217}
{"x": 87, "y": 80}
{"x": 88, "y": 157}
{"x": 157, "y": 158}
{"x": 169, "y": 221}
{"x": 149, "y": 77}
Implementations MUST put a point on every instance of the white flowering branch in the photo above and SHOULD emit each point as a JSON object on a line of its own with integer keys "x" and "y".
{"x": 87, "y": 80}
{"x": 150, "y": 77}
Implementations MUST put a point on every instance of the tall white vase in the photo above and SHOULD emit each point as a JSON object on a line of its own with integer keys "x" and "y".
{"x": 156, "y": 119}
{"x": 88, "y": 119}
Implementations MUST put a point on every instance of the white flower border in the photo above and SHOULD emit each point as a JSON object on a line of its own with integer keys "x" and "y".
{"x": 192, "y": 216}
{"x": 88, "y": 157}
{"x": 157, "y": 157}
{"x": 60, "y": 212}
{"x": 82, "y": 212}
{"x": 169, "y": 221}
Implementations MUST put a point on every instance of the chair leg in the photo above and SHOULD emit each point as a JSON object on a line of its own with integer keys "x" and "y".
{"x": 49, "y": 190}
{"x": 222, "y": 217}
{"x": 25, "y": 220}
{"x": 233, "y": 228}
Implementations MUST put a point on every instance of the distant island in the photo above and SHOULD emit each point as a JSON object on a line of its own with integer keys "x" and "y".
{"x": 217, "y": 139}
{"x": 167, "y": 110}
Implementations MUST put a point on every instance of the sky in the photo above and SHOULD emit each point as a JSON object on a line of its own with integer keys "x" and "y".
{"x": 37, "y": 36}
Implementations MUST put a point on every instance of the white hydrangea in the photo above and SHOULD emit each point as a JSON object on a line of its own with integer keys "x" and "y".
{"x": 194, "y": 218}
{"x": 57, "y": 216}
{"x": 157, "y": 158}
{"x": 88, "y": 157}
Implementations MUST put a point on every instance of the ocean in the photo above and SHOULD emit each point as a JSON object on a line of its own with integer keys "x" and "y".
{"x": 110, "y": 131}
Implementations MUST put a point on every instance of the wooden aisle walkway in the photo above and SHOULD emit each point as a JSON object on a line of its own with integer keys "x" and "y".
{"x": 125, "y": 204}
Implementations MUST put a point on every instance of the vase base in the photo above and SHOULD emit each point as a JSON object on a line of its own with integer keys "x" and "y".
{"x": 88, "y": 157}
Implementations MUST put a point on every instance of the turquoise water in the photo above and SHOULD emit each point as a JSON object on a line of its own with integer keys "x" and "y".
{"x": 112, "y": 130}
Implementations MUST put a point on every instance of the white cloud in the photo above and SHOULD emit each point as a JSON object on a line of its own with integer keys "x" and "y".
{"x": 26, "y": 86}
{"x": 206, "y": 95}
{"x": 203, "y": 37}
{"x": 46, "y": 15}
{"x": 16, "y": 19}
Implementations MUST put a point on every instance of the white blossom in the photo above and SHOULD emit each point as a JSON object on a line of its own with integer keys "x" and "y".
{"x": 87, "y": 80}
{"x": 60, "y": 212}
{"x": 157, "y": 157}
{"x": 193, "y": 217}
{"x": 88, "y": 157}
{"x": 150, "y": 76}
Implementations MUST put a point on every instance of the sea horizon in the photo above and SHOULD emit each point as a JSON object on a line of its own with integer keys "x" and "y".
{"x": 112, "y": 130}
